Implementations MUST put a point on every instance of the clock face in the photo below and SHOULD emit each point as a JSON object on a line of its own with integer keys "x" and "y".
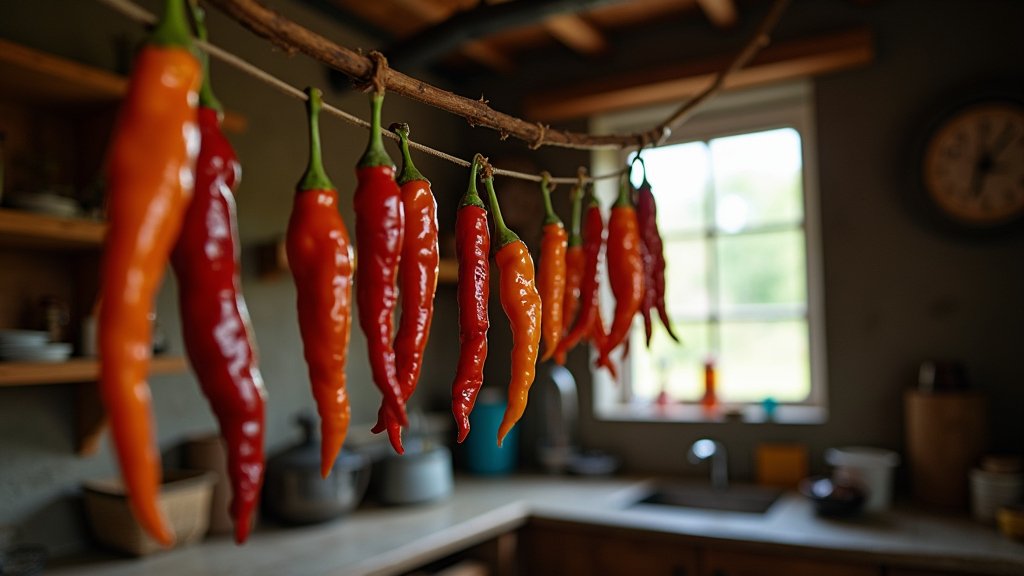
{"x": 974, "y": 164}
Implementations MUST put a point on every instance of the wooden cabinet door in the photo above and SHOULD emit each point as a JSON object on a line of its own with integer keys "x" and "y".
{"x": 725, "y": 563}
{"x": 567, "y": 549}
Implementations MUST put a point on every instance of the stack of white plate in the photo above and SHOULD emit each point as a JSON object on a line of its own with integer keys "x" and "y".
{"x": 31, "y": 346}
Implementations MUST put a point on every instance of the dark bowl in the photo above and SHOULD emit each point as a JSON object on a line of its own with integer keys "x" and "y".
{"x": 831, "y": 498}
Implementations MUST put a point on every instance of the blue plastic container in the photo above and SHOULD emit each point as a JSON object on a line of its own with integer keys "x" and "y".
{"x": 482, "y": 454}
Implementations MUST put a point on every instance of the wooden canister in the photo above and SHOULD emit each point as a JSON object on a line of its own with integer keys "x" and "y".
{"x": 947, "y": 433}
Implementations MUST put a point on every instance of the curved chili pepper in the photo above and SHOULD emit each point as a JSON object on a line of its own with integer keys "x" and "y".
{"x": 380, "y": 229}
{"x": 574, "y": 264}
{"x": 214, "y": 319}
{"x": 653, "y": 250}
{"x": 522, "y": 305}
{"x": 417, "y": 277}
{"x": 625, "y": 268}
{"x": 149, "y": 172}
{"x": 320, "y": 258}
{"x": 472, "y": 248}
{"x": 551, "y": 274}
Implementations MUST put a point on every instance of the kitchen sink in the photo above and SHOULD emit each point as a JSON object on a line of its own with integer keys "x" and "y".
{"x": 746, "y": 499}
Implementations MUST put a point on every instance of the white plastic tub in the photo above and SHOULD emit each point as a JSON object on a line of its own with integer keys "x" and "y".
{"x": 871, "y": 469}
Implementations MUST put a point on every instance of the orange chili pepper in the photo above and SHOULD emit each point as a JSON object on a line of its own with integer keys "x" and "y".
{"x": 625, "y": 268}
{"x": 551, "y": 276}
{"x": 574, "y": 265}
{"x": 320, "y": 258}
{"x": 150, "y": 175}
{"x": 522, "y": 305}
{"x": 417, "y": 277}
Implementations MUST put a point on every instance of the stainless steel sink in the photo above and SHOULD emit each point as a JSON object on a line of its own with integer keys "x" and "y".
{"x": 746, "y": 499}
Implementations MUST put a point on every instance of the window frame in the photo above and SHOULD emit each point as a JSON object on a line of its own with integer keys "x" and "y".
{"x": 780, "y": 106}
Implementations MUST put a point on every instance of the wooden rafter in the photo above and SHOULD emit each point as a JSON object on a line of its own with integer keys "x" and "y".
{"x": 576, "y": 33}
{"x": 721, "y": 13}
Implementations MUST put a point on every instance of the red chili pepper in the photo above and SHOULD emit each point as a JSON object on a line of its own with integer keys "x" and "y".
{"x": 417, "y": 277}
{"x": 588, "y": 323}
{"x": 150, "y": 171}
{"x": 380, "y": 228}
{"x": 320, "y": 258}
{"x": 652, "y": 249}
{"x": 625, "y": 268}
{"x": 574, "y": 263}
{"x": 551, "y": 275}
{"x": 214, "y": 319}
{"x": 472, "y": 248}
{"x": 522, "y": 305}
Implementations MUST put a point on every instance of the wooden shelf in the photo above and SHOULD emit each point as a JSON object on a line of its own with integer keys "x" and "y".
{"x": 35, "y": 77}
{"x": 29, "y": 229}
{"x": 74, "y": 370}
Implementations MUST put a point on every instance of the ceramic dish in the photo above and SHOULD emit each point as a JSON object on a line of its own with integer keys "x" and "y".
{"x": 57, "y": 352}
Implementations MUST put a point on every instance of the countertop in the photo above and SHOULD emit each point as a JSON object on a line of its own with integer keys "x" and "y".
{"x": 392, "y": 540}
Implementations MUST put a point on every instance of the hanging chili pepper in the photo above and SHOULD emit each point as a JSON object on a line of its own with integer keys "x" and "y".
{"x": 625, "y": 268}
{"x": 320, "y": 258}
{"x": 574, "y": 264}
{"x": 522, "y": 305}
{"x": 472, "y": 248}
{"x": 588, "y": 323}
{"x": 551, "y": 275}
{"x": 417, "y": 277}
{"x": 150, "y": 176}
{"x": 380, "y": 228}
{"x": 214, "y": 319}
{"x": 653, "y": 251}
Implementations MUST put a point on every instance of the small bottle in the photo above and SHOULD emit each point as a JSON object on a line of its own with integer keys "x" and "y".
{"x": 710, "y": 401}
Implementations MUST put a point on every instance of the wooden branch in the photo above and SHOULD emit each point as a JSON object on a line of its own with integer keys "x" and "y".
{"x": 292, "y": 37}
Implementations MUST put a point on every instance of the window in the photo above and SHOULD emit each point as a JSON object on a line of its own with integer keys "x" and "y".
{"x": 737, "y": 211}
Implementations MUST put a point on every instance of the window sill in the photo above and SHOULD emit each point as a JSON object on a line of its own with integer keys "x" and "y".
{"x": 694, "y": 413}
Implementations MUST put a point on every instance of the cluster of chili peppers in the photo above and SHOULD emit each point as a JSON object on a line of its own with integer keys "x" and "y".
{"x": 215, "y": 321}
{"x": 158, "y": 150}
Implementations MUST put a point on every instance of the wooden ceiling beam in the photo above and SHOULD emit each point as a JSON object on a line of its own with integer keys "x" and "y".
{"x": 780, "y": 61}
{"x": 576, "y": 33}
{"x": 721, "y": 13}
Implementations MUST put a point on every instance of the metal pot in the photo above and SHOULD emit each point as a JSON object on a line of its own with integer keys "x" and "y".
{"x": 295, "y": 493}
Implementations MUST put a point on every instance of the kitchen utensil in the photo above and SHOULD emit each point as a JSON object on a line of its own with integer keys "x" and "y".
{"x": 832, "y": 498}
{"x": 55, "y": 352}
{"x": 184, "y": 499}
{"x": 422, "y": 474}
{"x": 295, "y": 493}
{"x": 45, "y": 203}
{"x": 870, "y": 469}
{"x": 483, "y": 455}
{"x": 23, "y": 337}
{"x": 207, "y": 453}
{"x": 992, "y": 490}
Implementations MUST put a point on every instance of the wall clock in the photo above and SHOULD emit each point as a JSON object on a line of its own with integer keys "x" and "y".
{"x": 973, "y": 164}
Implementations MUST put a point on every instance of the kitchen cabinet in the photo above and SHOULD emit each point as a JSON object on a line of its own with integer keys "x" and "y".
{"x": 723, "y": 562}
{"x": 548, "y": 547}
{"x": 56, "y": 117}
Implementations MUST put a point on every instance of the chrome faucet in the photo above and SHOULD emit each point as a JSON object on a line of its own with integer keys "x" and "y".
{"x": 706, "y": 449}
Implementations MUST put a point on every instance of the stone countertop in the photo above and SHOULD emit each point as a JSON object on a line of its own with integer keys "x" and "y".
{"x": 391, "y": 540}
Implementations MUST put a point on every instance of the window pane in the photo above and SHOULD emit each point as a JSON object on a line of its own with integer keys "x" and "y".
{"x": 757, "y": 179}
{"x": 678, "y": 176}
{"x": 679, "y": 367}
{"x": 759, "y": 269}
{"x": 763, "y": 359}
{"x": 686, "y": 286}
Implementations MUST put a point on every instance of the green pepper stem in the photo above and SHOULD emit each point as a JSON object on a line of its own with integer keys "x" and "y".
{"x": 207, "y": 99}
{"x": 575, "y": 235}
{"x": 172, "y": 29}
{"x": 375, "y": 154}
{"x": 409, "y": 171}
{"x": 472, "y": 197}
{"x": 505, "y": 236}
{"x": 315, "y": 178}
{"x": 625, "y": 199}
{"x": 549, "y": 212}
